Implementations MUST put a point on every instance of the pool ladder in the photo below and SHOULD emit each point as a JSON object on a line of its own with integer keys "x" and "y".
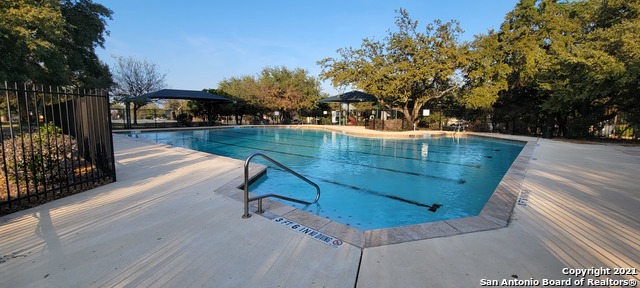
{"x": 458, "y": 128}
{"x": 260, "y": 197}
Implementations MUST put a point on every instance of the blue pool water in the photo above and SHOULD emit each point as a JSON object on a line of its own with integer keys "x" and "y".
{"x": 366, "y": 183}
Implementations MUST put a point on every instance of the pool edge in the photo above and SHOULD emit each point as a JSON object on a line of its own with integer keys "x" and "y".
{"x": 495, "y": 214}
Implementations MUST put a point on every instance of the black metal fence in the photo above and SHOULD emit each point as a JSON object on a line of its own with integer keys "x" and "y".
{"x": 54, "y": 142}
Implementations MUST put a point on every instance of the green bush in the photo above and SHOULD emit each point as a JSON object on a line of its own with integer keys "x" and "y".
{"x": 184, "y": 119}
{"x": 46, "y": 156}
{"x": 623, "y": 130}
{"x": 325, "y": 121}
{"x": 431, "y": 121}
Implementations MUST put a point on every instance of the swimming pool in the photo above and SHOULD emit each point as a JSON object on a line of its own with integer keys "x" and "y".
{"x": 366, "y": 183}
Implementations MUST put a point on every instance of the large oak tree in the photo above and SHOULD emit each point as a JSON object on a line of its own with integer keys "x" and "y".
{"x": 53, "y": 42}
{"x": 273, "y": 89}
{"x": 287, "y": 90}
{"x": 565, "y": 64}
{"x": 407, "y": 69}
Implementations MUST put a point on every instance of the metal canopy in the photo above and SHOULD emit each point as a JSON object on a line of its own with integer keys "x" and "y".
{"x": 350, "y": 97}
{"x": 186, "y": 94}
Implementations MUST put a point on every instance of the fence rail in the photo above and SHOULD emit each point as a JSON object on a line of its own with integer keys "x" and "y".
{"x": 54, "y": 142}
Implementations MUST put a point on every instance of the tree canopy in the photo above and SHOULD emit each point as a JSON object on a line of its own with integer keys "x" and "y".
{"x": 208, "y": 109}
{"x": 53, "y": 42}
{"x": 283, "y": 89}
{"x": 564, "y": 64}
{"x": 407, "y": 69}
{"x": 570, "y": 65}
{"x": 273, "y": 89}
{"x": 242, "y": 90}
{"x": 134, "y": 78}
{"x": 552, "y": 64}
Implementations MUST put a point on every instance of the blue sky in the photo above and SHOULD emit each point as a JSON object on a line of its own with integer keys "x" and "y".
{"x": 198, "y": 43}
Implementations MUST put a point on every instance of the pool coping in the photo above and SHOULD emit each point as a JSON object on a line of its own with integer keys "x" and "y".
{"x": 347, "y": 130}
{"x": 495, "y": 214}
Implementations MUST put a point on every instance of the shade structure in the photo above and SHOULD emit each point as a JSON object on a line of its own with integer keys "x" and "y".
{"x": 187, "y": 95}
{"x": 350, "y": 97}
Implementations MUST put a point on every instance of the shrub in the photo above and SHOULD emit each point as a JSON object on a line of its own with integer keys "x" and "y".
{"x": 46, "y": 156}
{"x": 431, "y": 121}
{"x": 184, "y": 119}
{"x": 325, "y": 121}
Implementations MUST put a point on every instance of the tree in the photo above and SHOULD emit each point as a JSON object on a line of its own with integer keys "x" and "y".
{"x": 407, "y": 69}
{"x": 520, "y": 47}
{"x": 615, "y": 34}
{"x": 28, "y": 32}
{"x": 274, "y": 89}
{"x": 285, "y": 90}
{"x": 86, "y": 27}
{"x": 485, "y": 73}
{"x": 134, "y": 78}
{"x": 571, "y": 65}
{"x": 208, "y": 109}
{"x": 176, "y": 106}
{"x": 563, "y": 38}
{"x": 53, "y": 42}
{"x": 243, "y": 91}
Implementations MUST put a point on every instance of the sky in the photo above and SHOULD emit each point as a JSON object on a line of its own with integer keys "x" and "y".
{"x": 198, "y": 43}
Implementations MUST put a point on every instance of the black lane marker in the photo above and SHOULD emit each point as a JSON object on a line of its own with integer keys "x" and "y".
{"x": 459, "y": 181}
{"x": 347, "y": 150}
{"x": 431, "y": 208}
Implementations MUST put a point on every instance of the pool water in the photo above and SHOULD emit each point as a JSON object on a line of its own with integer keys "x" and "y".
{"x": 365, "y": 183}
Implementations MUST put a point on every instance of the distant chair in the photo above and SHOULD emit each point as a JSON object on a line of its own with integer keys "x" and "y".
{"x": 352, "y": 121}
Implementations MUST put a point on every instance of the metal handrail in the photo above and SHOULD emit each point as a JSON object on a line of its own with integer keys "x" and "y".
{"x": 259, "y": 198}
{"x": 458, "y": 128}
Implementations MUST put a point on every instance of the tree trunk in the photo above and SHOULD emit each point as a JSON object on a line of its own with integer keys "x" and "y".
{"x": 411, "y": 116}
{"x": 135, "y": 114}
{"x": 562, "y": 125}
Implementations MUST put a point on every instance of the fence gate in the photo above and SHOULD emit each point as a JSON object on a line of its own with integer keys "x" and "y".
{"x": 54, "y": 142}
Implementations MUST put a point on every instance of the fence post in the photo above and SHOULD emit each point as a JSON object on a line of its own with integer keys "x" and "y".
{"x": 127, "y": 111}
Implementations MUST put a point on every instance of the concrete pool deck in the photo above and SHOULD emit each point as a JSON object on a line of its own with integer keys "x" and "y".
{"x": 161, "y": 224}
